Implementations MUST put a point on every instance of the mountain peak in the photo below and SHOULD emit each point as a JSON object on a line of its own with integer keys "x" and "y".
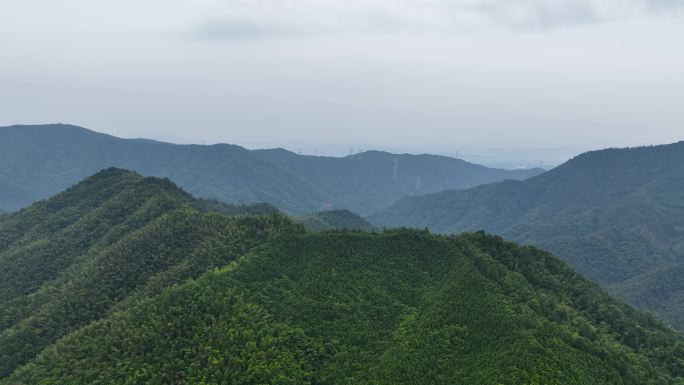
{"x": 61, "y": 127}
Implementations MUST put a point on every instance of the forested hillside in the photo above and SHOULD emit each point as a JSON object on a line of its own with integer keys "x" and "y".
{"x": 114, "y": 237}
{"x": 352, "y": 308}
{"x": 129, "y": 280}
{"x": 616, "y": 216}
{"x": 40, "y": 161}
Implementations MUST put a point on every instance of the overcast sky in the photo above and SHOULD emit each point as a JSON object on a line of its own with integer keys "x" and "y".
{"x": 405, "y": 74}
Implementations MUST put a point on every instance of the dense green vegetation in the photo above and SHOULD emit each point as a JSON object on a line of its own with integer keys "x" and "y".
{"x": 114, "y": 237}
{"x": 354, "y": 308}
{"x": 616, "y": 216}
{"x": 129, "y": 280}
{"x": 336, "y": 220}
{"x": 39, "y": 161}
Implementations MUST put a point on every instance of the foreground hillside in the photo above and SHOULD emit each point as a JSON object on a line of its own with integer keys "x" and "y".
{"x": 354, "y": 308}
{"x": 114, "y": 237}
{"x": 40, "y": 161}
{"x": 124, "y": 279}
{"x": 617, "y": 216}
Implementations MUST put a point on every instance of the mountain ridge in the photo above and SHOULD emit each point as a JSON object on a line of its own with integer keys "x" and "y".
{"x": 39, "y": 161}
{"x": 611, "y": 214}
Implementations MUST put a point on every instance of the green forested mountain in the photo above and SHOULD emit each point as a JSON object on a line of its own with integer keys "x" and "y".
{"x": 128, "y": 280}
{"x": 40, "y": 161}
{"x": 616, "y": 216}
{"x": 116, "y": 236}
{"x": 336, "y": 220}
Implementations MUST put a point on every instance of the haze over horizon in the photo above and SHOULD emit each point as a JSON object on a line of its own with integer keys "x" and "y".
{"x": 498, "y": 157}
{"x": 507, "y": 83}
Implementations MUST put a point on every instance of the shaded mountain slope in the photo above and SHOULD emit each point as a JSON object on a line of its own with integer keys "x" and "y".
{"x": 613, "y": 215}
{"x": 39, "y": 161}
{"x": 365, "y": 181}
{"x": 660, "y": 291}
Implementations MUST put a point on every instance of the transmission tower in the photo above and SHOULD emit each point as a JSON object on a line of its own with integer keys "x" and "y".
{"x": 395, "y": 170}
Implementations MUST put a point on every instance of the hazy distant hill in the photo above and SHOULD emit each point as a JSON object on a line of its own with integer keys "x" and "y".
{"x": 129, "y": 280}
{"x": 617, "y": 216}
{"x": 39, "y": 161}
{"x": 336, "y": 220}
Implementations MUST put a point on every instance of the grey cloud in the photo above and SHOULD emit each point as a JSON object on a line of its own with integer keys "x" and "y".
{"x": 548, "y": 14}
{"x": 437, "y": 16}
{"x": 542, "y": 14}
{"x": 372, "y": 20}
{"x": 665, "y": 5}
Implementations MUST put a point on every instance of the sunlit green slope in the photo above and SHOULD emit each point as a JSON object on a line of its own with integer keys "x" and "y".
{"x": 402, "y": 307}
{"x": 116, "y": 236}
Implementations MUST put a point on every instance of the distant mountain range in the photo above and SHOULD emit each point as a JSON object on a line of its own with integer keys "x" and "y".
{"x": 616, "y": 216}
{"x": 39, "y": 161}
{"x": 124, "y": 279}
